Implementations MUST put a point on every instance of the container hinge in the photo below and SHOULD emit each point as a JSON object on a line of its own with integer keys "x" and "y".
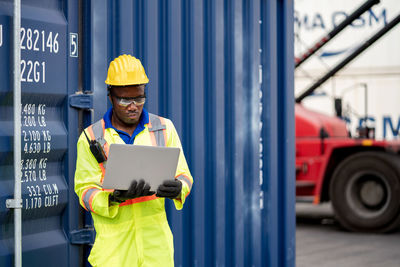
{"x": 14, "y": 203}
{"x": 82, "y": 236}
{"x": 81, "y": 101}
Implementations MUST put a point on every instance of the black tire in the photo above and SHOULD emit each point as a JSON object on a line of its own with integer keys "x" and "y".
{"x": 365, "y": 192}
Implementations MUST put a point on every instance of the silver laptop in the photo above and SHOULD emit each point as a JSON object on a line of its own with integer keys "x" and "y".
{"x": 126, "y": 163}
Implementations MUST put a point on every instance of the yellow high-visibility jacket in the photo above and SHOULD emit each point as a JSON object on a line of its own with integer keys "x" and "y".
{"x": 135, "y": 232}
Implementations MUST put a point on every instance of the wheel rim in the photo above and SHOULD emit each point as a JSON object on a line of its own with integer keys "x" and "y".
{"x": 368, "y": 194}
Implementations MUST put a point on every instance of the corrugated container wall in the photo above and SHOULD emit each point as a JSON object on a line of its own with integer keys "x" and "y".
{"x": 222, "y": 71}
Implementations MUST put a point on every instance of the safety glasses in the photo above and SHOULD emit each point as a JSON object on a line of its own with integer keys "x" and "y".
{"x": 124, "y": 102}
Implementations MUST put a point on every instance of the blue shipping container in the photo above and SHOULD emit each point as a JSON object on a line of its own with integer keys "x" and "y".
{"x": 222, "y": 70}
{"x": 49, "y": 130}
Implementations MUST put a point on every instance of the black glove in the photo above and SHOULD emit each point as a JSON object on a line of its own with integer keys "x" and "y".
{"x": 135, "y": 190}
{"x": 170, "y": 189}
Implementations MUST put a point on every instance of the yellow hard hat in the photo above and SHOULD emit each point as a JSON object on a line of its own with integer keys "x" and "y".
{"x": 126, "y": 70}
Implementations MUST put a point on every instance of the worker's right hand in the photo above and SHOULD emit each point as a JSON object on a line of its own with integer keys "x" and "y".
{"x": 136, "y": 189}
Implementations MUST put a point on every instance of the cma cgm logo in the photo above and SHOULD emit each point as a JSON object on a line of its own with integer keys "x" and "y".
{"x": 325, "y": 23}
{"x": 389, "y": 126}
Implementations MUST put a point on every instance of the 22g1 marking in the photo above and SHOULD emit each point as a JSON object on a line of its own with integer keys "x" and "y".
{"x": 33, "y": 71}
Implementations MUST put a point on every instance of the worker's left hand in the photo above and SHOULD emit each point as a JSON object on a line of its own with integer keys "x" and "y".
{"x": 170, "y": 189}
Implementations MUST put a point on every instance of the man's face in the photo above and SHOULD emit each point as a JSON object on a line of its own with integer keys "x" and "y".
{"x": 128, "y": 115}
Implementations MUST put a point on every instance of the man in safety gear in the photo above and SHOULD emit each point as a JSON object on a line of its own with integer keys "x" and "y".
{"x": 131, "y": 226}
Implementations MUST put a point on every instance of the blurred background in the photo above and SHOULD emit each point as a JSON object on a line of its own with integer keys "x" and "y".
{"x": 349, "y": 70}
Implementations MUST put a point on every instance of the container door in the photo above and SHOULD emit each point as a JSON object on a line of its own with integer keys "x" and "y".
{"x": 49, "y": 67}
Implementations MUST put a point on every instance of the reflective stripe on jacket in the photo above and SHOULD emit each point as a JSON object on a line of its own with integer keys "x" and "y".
{"x": 134, "y": 232}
